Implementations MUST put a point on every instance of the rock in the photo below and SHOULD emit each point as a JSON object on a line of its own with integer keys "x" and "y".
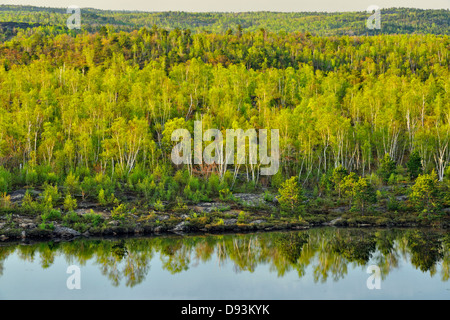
{"x": 113, "y": 223}
{"x": 65, "y": 232}
{"x": 27, "y": 225}
{"x": 158, "y": 229}
{"x": 332, "y": 222}
{"x": 257, "y": 221}
{"x": 23, "y": 234}
{"x": 401, "y": 198}
{"x": 339, "y": 210}
{"x": 208, "y": 207}
{"x": 180, "y": 227}
{"x": 162, "y": 217}
{"x": 229, "y": 222}
{"x": 250, "y": 199}
{"x": 17, "y": 195}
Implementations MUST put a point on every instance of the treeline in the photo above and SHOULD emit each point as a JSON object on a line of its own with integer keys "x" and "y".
{"x": 394, "y": 20}
{"x": 99, "y": 109}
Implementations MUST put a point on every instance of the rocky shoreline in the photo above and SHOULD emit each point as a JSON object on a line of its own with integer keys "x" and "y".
{"x": 248, "y": 213}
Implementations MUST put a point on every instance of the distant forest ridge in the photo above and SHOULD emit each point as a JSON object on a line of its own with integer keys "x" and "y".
{"x": 393, "y": 21}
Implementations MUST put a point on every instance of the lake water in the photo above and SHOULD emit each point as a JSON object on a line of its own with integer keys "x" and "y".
{"x": 324, "y": 263}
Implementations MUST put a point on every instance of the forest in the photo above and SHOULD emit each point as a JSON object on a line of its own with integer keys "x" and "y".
{"x": 360, "y": 117}
{"x": 395, "y": 21}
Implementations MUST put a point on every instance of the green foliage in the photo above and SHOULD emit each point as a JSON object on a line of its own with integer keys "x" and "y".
{"x": 241, "y": 217}
{"x": 414, "y": 165}
{"x": 120, "y": 212}
{"x": 364, "y": 194}
{"x": 347, "y": 186}
{"x": 70, "y": 218}
{"x": 213, "y": 185}
{"x": 269, "y": 197}
{"x": 291, "y": 196}
{"x": 101, "y": 198}
{"x": 46, "y": 226}
{"x": 72, "y": 183}
{"x": 93, "y": 218}
{"x": 50, "y": 196}
{"x": 424, "y": 194}
{"x": 51, "y": 215}
{"x": 102, "y": 124}
{"x": 158, "y": 205}
{"x": 5, "y": 180}
{"x": 225, "y": 195}
{"x": 339, "y": 173}
{"x": 386, "y": 168}
{"x": 70, "y": 203}
{"x": 28, "y": 203}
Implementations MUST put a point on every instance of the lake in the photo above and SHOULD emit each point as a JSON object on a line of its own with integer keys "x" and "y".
{"x": 322, "y": 263}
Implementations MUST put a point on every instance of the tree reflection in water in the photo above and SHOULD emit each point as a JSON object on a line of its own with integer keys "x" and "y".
{"x": 328, "y": 252}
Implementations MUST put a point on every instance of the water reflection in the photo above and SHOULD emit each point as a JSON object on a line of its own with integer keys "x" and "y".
{"x": 328, "y": 252}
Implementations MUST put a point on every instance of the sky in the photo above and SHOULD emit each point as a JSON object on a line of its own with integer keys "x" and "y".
{"x": 236, "y": 5}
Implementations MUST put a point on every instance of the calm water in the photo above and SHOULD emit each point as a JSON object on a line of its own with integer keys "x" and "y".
{"x": 321, "y": 263}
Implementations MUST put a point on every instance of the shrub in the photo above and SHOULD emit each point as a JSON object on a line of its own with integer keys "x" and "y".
{"x": 71, "y": 217}
{"x": 213, "y": 184}
{"x": 120, "y": 212}
{"x": 50, "y": 196}
{"x": 46, "y": 226}
{"x": 51, "y": 215}
{"x": 71, "y": 183}
{"x": 241, "y": 217}
{"x": 386, "y": 167}
{"x": 268, "y": 196}
{"x": 414, "y": 165}
{"x": 158, "y": 205}
{"x": 339, "y": 173}
{"x": 94, "y": 218}
{"x": 291, "y": 196}
{"x": 424, "y": 194}
{"x": 28, "y": 203}
{"x": 70, "y": 203}
{"x": 225, "y": 195}
{"x": 5, "y": 201}
{"x": 5, "y": 180}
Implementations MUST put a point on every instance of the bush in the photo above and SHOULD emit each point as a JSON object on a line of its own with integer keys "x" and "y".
{"x": 46, "y": 226}
{"x": 70, "y": 203}
{"x": 51, "y": 196}
{"x": 241, "y": 217}
{"x": 70, "y": 218}
{"x": 225, "y": 195}
{"x": 51, "y": 215}
{"x": 386, "y": 168}
{"x": 120, "y": 212}
{"x": 424, "y": 194}
{"x": 94, "y": 218}
{"x": 414, "y": 165}
{"x": 28, "y": 203}
{"x": 5, "y": 180}
{"x": 72, "y": 183}
{"x": 291, "y": 196}
{"x": 213, "y": 185}
{"x": 268, "y": 196}
{"x": 338, "y": 175}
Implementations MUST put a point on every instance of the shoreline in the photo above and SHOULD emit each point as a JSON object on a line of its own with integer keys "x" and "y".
{"x": 26, "y": 228}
